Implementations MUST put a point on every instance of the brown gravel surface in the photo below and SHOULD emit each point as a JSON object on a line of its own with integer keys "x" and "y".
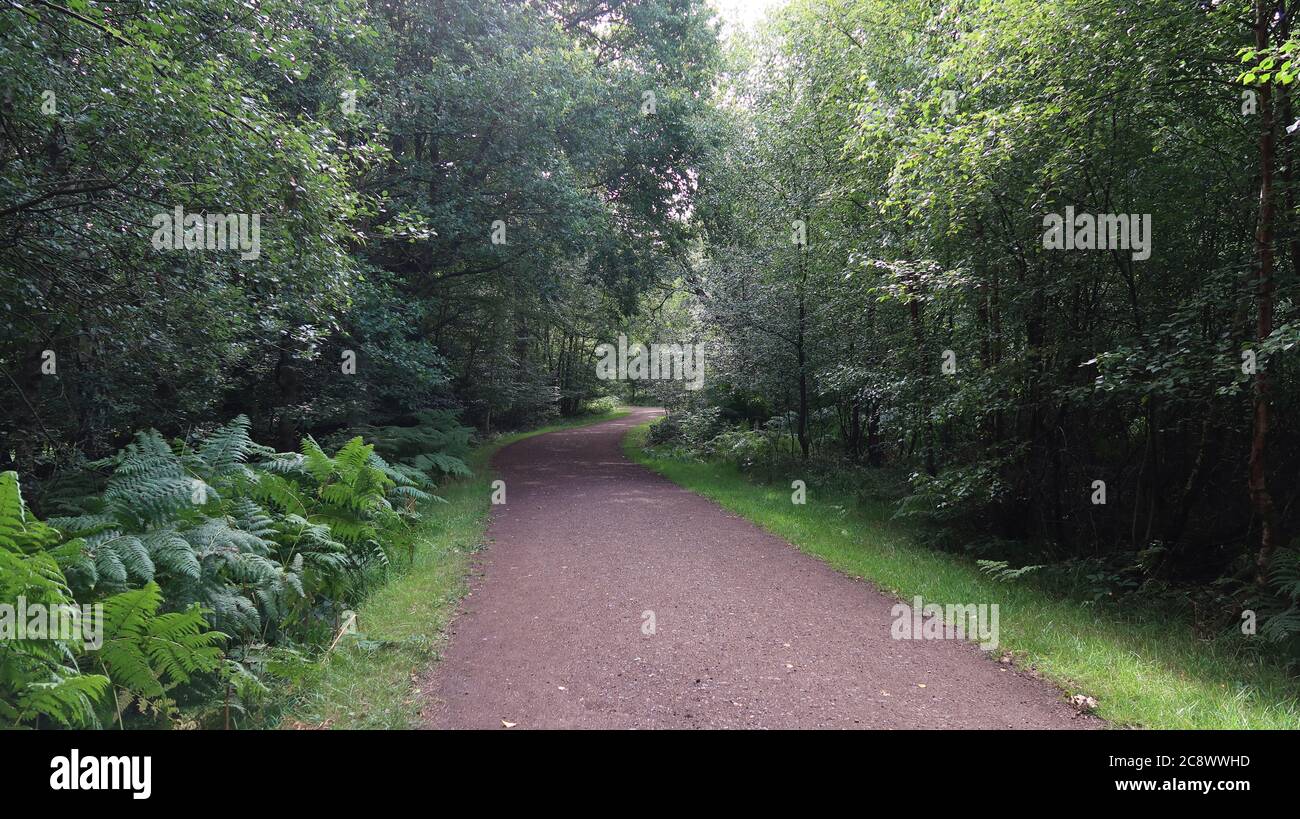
{"x": 749, "y": 632}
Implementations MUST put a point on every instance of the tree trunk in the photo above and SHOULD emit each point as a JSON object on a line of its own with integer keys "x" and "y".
{"x": 875, "y": 454}
{"x": 802, "y": 352}
{"x": 918, "y": 334}
{"x": 1261, "y": 498}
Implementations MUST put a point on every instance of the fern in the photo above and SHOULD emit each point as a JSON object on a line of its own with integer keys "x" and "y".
{"x": 1001, "y": 570}
{"x": 282, "y": 493}
{"x": 146, "y": 653}
{"x": 173, "y": 554}
{"x": 68, "y": 697}
{"x": 20, "y": 532}
{"x": 149, "y": 485}
{"x": 1281, "y": 620}
{"x": 196, "y": 540}
{"x": 436, "y": 444}
{"x": 440, "y": 462}
{"x": 225, "y": 451}
{"x": 319, "y": 465}
{"x": 39, "y": 678}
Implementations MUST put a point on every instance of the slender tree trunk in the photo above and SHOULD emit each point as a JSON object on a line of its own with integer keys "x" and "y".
{"x": 1288, "y": 151}
{"x": 918, "y": 334}
{"x": 1261, "y": 498}
{"x": 287, "y": 383}
{"x": 802, "y": 352}
{"x": 854, "y": 430}
{"x": 875, "y": 455}
{"x": 1192, "y": 491}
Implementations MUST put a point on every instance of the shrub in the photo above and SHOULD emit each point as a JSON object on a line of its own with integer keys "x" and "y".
{"x": 601, "y": 406}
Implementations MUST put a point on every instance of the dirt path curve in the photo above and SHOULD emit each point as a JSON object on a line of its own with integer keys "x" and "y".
{"x": 749, "y": 632}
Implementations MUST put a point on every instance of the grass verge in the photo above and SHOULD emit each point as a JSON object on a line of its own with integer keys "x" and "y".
{"x": 370, "y": 681}
{"x": 1143, "y": 671}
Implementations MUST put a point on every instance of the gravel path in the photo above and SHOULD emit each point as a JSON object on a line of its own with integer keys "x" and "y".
{"x": 748, "y": 631}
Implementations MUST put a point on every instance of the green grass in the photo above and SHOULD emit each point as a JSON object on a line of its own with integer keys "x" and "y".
{"x": 374, "y": 682}
{"x": 1144, "y": 670}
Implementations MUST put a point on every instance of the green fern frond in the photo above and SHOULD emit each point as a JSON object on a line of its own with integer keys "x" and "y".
{"x": 173, "y": 553}
{"x": 281, "y": 493}
{"x": 440, "y": 462}
{"x": 354, "y": 456}
{"x": 226, "y": 449}
{"x": 19, "y": 531}
{"x": 83, "y": 524}
{"x": 1285, "y": 574}
{"x": 319, "y": 465}
{"x": 147, "y": 653}
{"x": 410, "y": 493}
{"x": 217, "y": 534}
{"x": 67, "y": 697}
{"x": 108, "y": 564}
{"x": 284, "y": 463}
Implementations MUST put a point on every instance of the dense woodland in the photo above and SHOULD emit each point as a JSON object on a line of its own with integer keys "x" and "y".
{"x": 459, "y": 200}
{"x": 918, "y": 334}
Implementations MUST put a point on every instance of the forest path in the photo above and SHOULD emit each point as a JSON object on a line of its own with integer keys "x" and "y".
{"x": 749, "y": 632}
